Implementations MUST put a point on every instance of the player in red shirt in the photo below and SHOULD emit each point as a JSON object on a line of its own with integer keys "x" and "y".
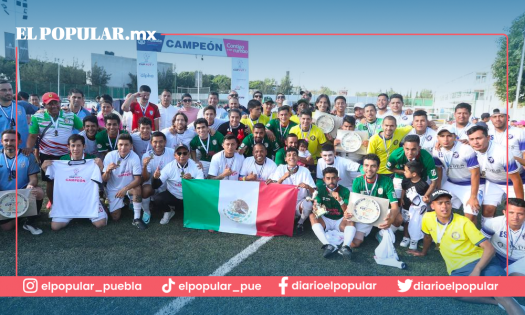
{"x": 142, "y": 108}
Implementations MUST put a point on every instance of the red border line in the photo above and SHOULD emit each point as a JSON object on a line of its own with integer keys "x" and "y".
{"x": 16, "y": 161}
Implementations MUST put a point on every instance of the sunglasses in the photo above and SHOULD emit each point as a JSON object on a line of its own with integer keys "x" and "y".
{"x": 257, "y": 96}
{"x": 186, "y": 100}
{"x": 280, "y": 96}
{"x": 182, "y": 153}
{"x": 234, "y": 95}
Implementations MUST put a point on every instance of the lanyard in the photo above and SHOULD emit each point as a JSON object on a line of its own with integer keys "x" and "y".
{"x": 182, "y": 168}
{"x": 144, "y": 110}
{"x": 308, "y": 135}
{"x": 285, "y": 130}
{"x": 511, "y": 239}
{"x": 55, "y": 124}
{"x": 368, "y": 127}
{"x": 207, "y": 144}
{"x": 251, "y": 121}
{"x": 11, "y": 171}
{"x": 441, "y": 232}
{"x": 113, "y": 147}
{"x": 230, "y": 128}
{"x": 332, "y": 190}
{"x": 369, "y": 192}
{"x": 387, "y": 150}
{"x": 11, "y": 120}
{"x": 259, "y": 173}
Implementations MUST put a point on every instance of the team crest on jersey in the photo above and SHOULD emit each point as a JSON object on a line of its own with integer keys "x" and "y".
{"x": 404, "y": 117}
{"x": 429, "y": 137}
{"x": 237, "y": 211}
{"x": 491, "y": 159}
{"x": 266, "y": 144}
{"x": 396, "y": 142}
{"x": 380, "y": 190}
{"x": 76, "y": 170}
{"x": 151, "y": 112}
{"x": 312, "y": 137}
{"x": 67, "y": 121}
{"x": 511, "y": 136}
{"x": 455, "y": 155}
{"x": 99, "y": 146}
{"x": 500, "y": 244}
{"x": 214, "y": 142}
{"x": 456, "y": 235}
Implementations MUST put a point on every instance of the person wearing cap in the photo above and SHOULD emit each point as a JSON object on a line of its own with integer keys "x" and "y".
{"x": 256, "y": 116}
{"x": 396, "y": 108}
{"x": 460, "y": 164}
{"x": 311, "y": 133}
{"x": 387, "y": 141}
{"x": 301, "y": 105}
{"x": 359, "y": 111}
{"x": 462, "y": 123}
{"x": 494, "y": 164}
{"x": 157, "y": 157}
{"x": 267, "y": 106}
{"x": 281, "y": 126}
{"x": 498, "y": 134}
{"x": 9, "y": 118}
{"x": 411, "y": 151}
{"x": 171, "y": 177}
{"x": 370, "y": 123}
{"x": 465, "y": 250}
{"x": 204, "y": 145}
{"x": 142, "y": 108}
{"x": 52, "y": 128}
{"x": 226, "y": 164}
{"x": 427, "y": 136}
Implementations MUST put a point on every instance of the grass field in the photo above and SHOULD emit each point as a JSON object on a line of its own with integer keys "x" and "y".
{"x": 171, "y": 250}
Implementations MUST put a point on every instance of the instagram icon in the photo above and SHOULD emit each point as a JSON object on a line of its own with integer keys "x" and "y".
{"x": 30, "y": 285}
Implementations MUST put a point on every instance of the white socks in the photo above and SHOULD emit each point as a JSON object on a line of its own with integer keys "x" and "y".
{"x": 349, "y": 234}
{"x": 319, "y": 232}
{"x": 307, "y": 207}
{"x": 145, "y": 205}
{"x": 137, "y": 207}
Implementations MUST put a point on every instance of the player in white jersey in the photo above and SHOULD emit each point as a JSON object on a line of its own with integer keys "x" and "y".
{"x": 142, "y": 138}
{"x": 498, "y": 133}
{"x": 427, "y": 136}
{"x": 210, "y": 114}
{"x": 257, "y": 167}
{"x": 496, "y": 230}
{"x": 226, "y": 164}
{"x": 293, "y": 174}
{"x": 347, "y": 169}
{"x": 382, "y": 106}
{"x": 462, "y": 114}
{"x": 179, "y": 132}
{"x": 156, "y": 158}
{"x": 122, "y": 173}
{"x": 90, "y": 131}
{"x": 396, "y": 108}
{"x": 493, "y": 163}
{"x": 171, "y": 176}
{"x": 460, "y": 163}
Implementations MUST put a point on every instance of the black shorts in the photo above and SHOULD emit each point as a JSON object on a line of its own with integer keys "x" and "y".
{"x": 45, "y": 157}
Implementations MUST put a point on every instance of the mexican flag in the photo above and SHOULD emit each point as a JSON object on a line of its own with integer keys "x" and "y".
{"x": 251, "y": 208}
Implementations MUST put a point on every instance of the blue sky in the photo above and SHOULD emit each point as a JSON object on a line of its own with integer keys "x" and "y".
{"x": 357, "y": 63}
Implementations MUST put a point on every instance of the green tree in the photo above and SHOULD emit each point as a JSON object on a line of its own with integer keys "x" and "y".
{"x": 256, "y": 85}
{"x": 166, "y": 80}
{"x": 7, "y": 69}
{"x": 98, "y": 76}
{"x": 132, "y": 85}
{"x": 361, "y": 93}
{"x": 286, "y": 85}
{"x": 186, "y": 79}
{"x": 223, "y": 83}
{"x": 326, "y": 90}
{"x": 73, "y": 74}
{"x": 426, "y": 93}
{"x": 499, "y": 67}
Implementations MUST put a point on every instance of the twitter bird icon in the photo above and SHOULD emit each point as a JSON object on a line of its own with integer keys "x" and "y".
{"x": 403, "y": 287}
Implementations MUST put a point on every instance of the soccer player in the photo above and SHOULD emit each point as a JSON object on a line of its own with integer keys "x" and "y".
{"x": 293, "y": 174}
{"x": 427, "y": 136}
{"x": 281, "y": 126}
{"x": 409, "y": 152}
{"x": 323, "y": 105}
{"x": 464, "y": 249}
{"x": 358, "y": 111}
{"x": 267, "y": 108}
{"x": 382, "y": 105}
{"x": 234, "y": 125}
{"x": 13, "y": 165}
{"x": 142, "y": 108}
{"x": 387, "y": 141}
{"x": 377, "y": 185}
{"x": 142, "y": 138}
{"x": 396, "y": 108}
{"x": 493, "y": 163}
{"x": 166, "y": 110}
{"x": 349, "y": 123}
{"x": 347, "y": 169}
{"x": 227, "y": 163}
{"x": 213, "y": 101}
{"x": 498, "y": 133}
{"x": 9, "y": 119}
{"x": 462, "y": 114}
{"x": 204, "y": 145}
{"x": 257, "y": 167}
{"x": 107, "y": 138}
{"x": 178, "y": 132}
{"x": 335, "y": 198}
{"x": 496, "y": 230}
{"x": 256, "y": 116}
{"x": 301, "y": 105}
{"x": 76, "y": 105}
{"x": 89, "y": 133}
{"x": 187, "y": 109}
{"x": 291, "y": 141}
{"x": 258, "y": 136}
{"x": 460, "y": 163}
{"x": 155, "y": 159}
{"x": 122, "y": 173}
{"x": 372, "y": 124}
{"x": 311, "y": 133}
{"x": 171, "y": 176}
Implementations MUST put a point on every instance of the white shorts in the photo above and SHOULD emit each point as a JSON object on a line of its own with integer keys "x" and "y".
{"x": 309, "y": 206}
{"x": 332, "y": 224}
{"x": 114, "y": 202}
{"x": 461, "y": 194}
{"x": 363, "y": 228}
{"x": 102, "y": 215}
{"x": 493, "y": 194}
{"x": 512, "y": 193}
{"x": 518, "y": 266}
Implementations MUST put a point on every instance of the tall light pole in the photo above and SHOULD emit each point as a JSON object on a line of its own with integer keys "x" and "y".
{"x": 520, "y": 74}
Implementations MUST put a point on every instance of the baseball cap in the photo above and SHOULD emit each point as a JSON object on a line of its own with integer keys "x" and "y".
{"x": 307, "y": 92}
{"x": 499, "y": 111}
{"x": 50, "y": 96}
{"x": 181, "y": 145}
{"x": 448, "y": 128}
{"x": 267, "y": 99}
{"x": 286, "y": 102}
{"x": 482, "y": 124}
{"x": 302, "y": 101}
{"x": 439, "y": 193}
{"x": 359, "y": 105}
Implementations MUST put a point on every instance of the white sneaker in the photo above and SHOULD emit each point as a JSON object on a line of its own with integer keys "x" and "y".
{"x": 405, "y": 242}
{"x": 413, "y": 245}
{"x": 167, "y": 217}
{"x": 32, "y": 229}
{"x": 401, "y": 228}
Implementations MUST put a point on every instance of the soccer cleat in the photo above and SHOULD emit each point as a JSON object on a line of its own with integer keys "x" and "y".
{"x": 167, "y": 217}
{"x": 413, "y": 245}
{"x": 32, "y": 229}
{"x": 329, "y": 249}
{"x": 299, "y": 230}
{"x": 346, "y": 252}
{"x": 405, "y": 242}
{"x": 140, "y": 224}
{"x": 146, "y": 217}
